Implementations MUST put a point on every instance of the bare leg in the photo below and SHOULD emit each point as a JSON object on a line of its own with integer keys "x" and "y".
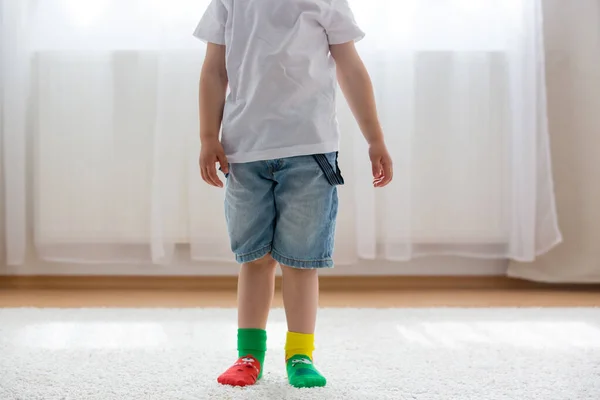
{"x": 256, "y": 285}
{"x": 300, "y": 298}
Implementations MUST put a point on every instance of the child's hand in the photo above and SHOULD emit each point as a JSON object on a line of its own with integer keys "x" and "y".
{"x": 212, "y": 153}
{"x": 381, "y": 162}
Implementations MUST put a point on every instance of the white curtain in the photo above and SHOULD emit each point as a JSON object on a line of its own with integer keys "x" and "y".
{"x": 100, "y": 133}
{"x": 572, "y": 32}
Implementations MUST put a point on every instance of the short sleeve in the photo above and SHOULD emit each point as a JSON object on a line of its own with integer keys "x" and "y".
{"x": 340, "y": 25}
{"x": 211, "y": 28}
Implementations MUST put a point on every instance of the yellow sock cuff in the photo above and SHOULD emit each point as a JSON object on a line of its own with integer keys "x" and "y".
{"x": 299, "y": 343}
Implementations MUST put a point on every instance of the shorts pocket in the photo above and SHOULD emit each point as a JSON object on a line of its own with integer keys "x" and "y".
{"x": 332, "y": 172}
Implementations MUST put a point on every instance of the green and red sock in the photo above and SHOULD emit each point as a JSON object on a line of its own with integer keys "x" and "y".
{"x": 247, "y": 370}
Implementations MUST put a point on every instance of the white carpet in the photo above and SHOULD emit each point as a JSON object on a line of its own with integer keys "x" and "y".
{"x": 445, "y": 354}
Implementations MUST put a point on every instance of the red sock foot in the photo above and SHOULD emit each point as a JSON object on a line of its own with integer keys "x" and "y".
{"x": 243, "y": 373}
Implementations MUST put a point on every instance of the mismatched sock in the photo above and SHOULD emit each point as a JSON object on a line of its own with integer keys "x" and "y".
{"x": 248, "y": 369}
{"x": 300, "y": 369}
{"x": 303, "y": 374}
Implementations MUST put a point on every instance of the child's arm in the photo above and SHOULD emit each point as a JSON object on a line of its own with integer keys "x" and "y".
{"x": 356, "y": 84}
{"x": 213, "y": 88}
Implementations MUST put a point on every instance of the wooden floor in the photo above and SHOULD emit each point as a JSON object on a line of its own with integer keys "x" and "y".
{"x": 366, "y": 298}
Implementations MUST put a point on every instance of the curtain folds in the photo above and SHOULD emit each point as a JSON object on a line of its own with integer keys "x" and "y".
{"x": 100, "y": 134}
{"x": 572, "y": 32}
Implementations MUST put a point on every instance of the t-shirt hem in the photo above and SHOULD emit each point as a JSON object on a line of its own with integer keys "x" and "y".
{"x": 273, "y": 154}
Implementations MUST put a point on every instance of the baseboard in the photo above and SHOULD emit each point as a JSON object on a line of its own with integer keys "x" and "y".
{"x": 327, "y": 283}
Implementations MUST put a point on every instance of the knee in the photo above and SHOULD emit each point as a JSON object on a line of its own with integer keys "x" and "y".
{"x": 299, "y": 272}
{"x": 267, "y": 264}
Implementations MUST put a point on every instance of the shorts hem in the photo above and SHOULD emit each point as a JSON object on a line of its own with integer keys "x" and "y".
{"x": 253, "y": 256}
{"x": 301, "y": 264}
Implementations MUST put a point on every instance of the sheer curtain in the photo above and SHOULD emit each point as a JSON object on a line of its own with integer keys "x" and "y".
{"x": 100, "y": 133}
{"x": 572, "y": 31}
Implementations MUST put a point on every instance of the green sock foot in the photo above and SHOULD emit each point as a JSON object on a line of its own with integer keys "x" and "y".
{"x": 303, "y": 374}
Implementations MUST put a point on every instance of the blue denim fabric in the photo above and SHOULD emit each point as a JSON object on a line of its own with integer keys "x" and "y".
{"x": 285, "y": 207}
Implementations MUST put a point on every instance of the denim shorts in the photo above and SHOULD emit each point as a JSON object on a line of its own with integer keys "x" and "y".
{"x": 285, "y": 207}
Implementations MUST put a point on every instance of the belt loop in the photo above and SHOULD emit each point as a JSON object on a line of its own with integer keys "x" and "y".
{"x": 331, "y": 172}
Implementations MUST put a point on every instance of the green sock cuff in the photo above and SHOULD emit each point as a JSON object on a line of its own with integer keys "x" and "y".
{"x": 252, "y": 339}
{"x": 253, "y": 342}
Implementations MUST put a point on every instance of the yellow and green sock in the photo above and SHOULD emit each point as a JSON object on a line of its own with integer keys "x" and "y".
{"x": 301, "y": 371}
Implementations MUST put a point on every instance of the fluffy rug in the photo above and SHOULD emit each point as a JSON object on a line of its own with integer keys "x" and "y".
{"x": 445, "y": 354}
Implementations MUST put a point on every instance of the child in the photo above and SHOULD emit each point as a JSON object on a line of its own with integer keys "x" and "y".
{"x": 278, "y": 152}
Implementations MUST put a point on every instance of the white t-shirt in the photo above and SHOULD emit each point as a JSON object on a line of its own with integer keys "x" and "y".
{"x": 281, "y": 75}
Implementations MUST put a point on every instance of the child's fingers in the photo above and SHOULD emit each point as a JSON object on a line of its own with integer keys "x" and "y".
{"x": 376, "y": 168}
{"x": 209, "y": 173}
{"x": 387, "y": 176}
{"x": 206, "y": 176}
{"x": 203, "y": 174}
{"x": 223, "y": 163}
{"x": 213, "y": 178}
